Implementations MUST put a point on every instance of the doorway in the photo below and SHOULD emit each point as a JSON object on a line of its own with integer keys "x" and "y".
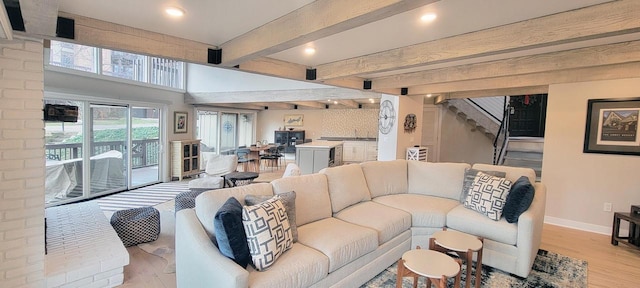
{"x": 527, "y": 115}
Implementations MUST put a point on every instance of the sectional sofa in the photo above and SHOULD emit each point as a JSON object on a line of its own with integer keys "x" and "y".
{"x": 355, "y": 220}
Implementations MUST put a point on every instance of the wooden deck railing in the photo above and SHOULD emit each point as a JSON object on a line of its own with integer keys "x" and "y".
{"x": 145, "y": 152}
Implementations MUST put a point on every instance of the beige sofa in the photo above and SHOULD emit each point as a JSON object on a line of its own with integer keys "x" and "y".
{"x": 356, "y": 220}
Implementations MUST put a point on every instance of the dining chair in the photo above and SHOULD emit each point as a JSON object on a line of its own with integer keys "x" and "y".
{"x": 244, "y": 158}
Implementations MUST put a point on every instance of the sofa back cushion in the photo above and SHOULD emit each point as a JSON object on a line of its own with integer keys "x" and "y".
{"x": 312, "y": 196}
{"x": 512, "y": 173}
{"x": 385, "y": 177}
{"x": 436, "y": 179}
{"x": 208, "y": 203}
{"x": 347, "y": 186}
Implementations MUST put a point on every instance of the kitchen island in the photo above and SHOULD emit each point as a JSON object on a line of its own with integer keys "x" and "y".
{"x": 314, "y": 156}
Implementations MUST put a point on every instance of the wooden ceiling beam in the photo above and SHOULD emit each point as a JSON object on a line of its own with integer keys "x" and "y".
{"x": 40, "y": 17}
{"x": 310, "y": 104}
{"x": 348, "y": 103}
{"x": 543, "y": 89}
{"x": 612, "y": 18}
{"x": 607, "y": 72}
{"x": 570, "y": 59}
{"x": 277, "y": 96}
{"x": 316, "y": 20}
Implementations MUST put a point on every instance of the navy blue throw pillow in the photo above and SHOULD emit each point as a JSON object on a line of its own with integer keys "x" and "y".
{"x": 519, "y": 199}
{"x": 227, "y": 224}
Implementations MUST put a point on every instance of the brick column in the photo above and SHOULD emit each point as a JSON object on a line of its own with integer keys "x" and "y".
{"x": 21, "y": 164}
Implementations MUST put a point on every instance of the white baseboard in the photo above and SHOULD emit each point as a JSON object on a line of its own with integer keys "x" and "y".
{"x": 606, "y": 230}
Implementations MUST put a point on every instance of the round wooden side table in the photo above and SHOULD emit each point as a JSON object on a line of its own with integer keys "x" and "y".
{"x": 433, "y": 265}
{"x": 234, "y": 179}
{"x": 462, "y": 244}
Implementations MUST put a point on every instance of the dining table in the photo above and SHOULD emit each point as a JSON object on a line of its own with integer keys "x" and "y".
{"x": 255, "y": 152}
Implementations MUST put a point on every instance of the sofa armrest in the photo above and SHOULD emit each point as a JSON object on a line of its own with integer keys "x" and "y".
{"x": 530, "y": 230}
{"x": 198, "y": 261}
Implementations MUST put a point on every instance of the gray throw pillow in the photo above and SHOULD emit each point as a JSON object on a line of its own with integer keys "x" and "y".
{"x": 229, "y": 232}
{"x": 289, "y": 201}
{"x": 469, "y": 175}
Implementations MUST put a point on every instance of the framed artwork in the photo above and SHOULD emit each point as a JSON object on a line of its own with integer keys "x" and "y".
{"x": 612, "y": 126}
{"x": 293, "y": 120}
{"x": 180, "y": 122}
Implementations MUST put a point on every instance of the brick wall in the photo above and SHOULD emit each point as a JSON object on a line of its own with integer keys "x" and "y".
{"x": 21, "y": 164}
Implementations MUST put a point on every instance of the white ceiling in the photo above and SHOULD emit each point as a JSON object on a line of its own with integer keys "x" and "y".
{"x": 216, "y": 22}
{"x": 220, "y": 22}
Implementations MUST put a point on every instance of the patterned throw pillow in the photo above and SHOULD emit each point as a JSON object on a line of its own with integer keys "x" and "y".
{"x": 289, "y": 202}
{"x": 470, "y": 175}
{"x": 268, "y": 232}
{"x": 488, "y": 195}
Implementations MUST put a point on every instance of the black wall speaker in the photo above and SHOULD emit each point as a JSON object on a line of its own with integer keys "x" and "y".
{"x": 311, "y": 74}
{"x": 66, "y": 28}
{"x": 237, "y": 66}
{"x": 266, "y": 107}
{"x": 359, "y": 106}
{"x": 326, "y": 106}
{"x": 214, "y": 56}
{"x": 366, "y": 85}
{"x": 295, "y": 106}
{"x": 404, "y": 91}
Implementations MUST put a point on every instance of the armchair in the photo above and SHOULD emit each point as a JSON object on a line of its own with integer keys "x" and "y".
{"x": 216, "y": 166}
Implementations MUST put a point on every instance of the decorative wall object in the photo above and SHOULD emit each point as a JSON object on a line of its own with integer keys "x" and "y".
{"x": 410, "y": 123}
{"x": 612, "y": 126}
{"x": 293, "y": 120}
{"x": 180, "y": 122}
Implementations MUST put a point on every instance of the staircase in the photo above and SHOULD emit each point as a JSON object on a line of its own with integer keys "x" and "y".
{"x": 474, "y": 116}
{"x": 524, "y": 152}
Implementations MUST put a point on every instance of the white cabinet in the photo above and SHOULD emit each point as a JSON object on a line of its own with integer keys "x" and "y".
{"x": 360, "y": 151}
{"x": 185, "y": 158}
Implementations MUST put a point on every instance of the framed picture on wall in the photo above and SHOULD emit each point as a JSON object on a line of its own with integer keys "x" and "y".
{"x": 180, "y": 122}
{"x": 293, "y": 120}
{"x": 612, "y": 126}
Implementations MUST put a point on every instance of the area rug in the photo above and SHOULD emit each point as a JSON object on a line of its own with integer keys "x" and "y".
{"x": 164, "y": 246}
{"x": 549, "y": 270}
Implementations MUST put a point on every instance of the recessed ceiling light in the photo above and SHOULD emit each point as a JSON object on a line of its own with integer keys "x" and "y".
{"x": 174, "y": 11}
{"x": 309, "y": 50}
{"x": 335, "y": 102}
{"x": 428, "y": 17}
{"x": 429, "y": 95}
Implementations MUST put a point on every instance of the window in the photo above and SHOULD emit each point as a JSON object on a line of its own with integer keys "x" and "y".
{"x": 124, "y": 65}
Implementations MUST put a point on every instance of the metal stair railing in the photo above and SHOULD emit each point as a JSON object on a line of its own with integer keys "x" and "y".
{"x": 498, "y": 154}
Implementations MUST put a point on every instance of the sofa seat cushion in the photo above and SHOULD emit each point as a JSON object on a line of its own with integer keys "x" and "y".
{"x": 385, "y": 177}
{"x": 340, "y": 241}
{"x": 436, "y": 179}
{"x": 301, "y": 266}
{"x": 426, "y": 211}
{"x": 474, "y": 223}
{"x": 389, "y": 222}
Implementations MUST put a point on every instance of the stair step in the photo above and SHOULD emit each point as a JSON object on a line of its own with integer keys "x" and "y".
{"x": 516, "y": 154}
{"x": 527, "y": 163}
{"x": 525, "y": 146}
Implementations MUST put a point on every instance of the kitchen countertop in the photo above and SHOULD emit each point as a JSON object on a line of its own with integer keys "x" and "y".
{"x": 348, "y": 138}
{"x": 319, "y": 144}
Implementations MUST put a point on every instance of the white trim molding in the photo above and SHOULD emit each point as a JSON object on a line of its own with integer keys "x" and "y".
{"x": 605, "y": 230}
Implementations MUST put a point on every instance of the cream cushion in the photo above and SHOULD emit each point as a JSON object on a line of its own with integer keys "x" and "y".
{"x": 513, "y": 173}
{"x": 347, "y": 186}
{"x": 387, "y": 221}
{"x": 301, "y": 266}
{"x": 209, "y": 202}
{"x": 426, "y": 211}
{"x": 385, "y": 177}
{"x": 436, "y": 179}
{"x": 312, "y": 198}
{"x": 340, "y": 241}
{"x": 471, "y": 222}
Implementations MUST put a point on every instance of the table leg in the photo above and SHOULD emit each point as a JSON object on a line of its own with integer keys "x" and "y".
{"x": 479, "y": 264}
{"x": 616, "y": 229}
{"x": 469, "y": 260}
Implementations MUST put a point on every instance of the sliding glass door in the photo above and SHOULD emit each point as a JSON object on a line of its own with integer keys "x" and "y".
{"x": 109, "y": 148}
{"x": 145, "y": 146}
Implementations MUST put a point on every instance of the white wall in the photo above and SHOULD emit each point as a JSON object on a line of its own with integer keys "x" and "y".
{"x": 579, "y": 183}
{"x": 21, "y": 164}
{"x": 459, "y": 144}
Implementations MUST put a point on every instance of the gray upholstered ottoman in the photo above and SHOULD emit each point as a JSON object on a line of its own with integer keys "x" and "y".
{"x": 186, "y": 200}
{"x": 137, "y": 225}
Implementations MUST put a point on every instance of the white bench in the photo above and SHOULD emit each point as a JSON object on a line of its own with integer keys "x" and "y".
{"x": 82, "y": 248}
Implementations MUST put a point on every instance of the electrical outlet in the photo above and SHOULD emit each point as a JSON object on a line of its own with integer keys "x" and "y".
{"x": 607, "y": 207}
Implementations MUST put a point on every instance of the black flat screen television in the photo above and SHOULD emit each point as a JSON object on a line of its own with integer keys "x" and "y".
{"x": 60, "y": 113}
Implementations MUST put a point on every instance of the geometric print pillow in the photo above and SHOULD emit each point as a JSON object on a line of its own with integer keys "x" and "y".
{"x": 268, "y": 232}
{"x": 488, "y": 195}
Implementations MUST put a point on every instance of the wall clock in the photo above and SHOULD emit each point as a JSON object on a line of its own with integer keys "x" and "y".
{"x": 387, "y": 117}
{"x": 410, "y": 123}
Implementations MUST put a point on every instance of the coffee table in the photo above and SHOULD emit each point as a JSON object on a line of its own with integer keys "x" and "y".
{"x": 433, "y": 265}
{"x": 239, "y": 178}
{"x": 464, "y": 245}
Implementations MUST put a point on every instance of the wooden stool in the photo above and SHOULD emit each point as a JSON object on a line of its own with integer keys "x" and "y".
{"x": 433, "y": 265}
{"x": 462, "y": 244}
